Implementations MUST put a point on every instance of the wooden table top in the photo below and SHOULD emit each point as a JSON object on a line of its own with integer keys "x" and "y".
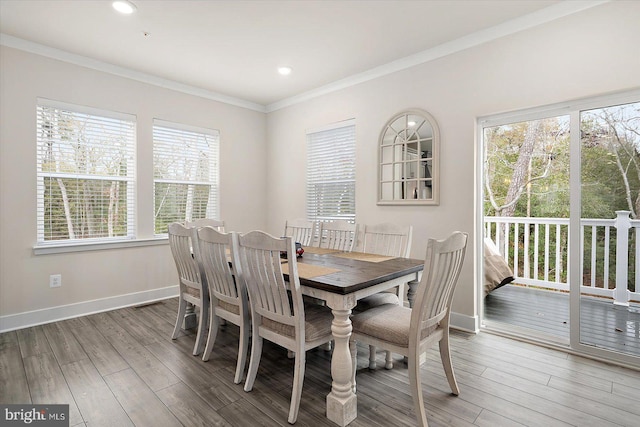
{"x": 355, "y": 274}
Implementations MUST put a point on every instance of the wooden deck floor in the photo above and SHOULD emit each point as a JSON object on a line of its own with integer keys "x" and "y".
{"x": 603, "y": 324}
{"x": 120, "y": 369}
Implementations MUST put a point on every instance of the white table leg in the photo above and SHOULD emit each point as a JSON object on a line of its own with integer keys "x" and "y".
{"x": 341, "y": 402}
{"x": 190, "y": 317}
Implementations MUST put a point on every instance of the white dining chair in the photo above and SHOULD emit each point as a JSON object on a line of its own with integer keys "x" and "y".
{"x": 412, "y": 331}
{"x": 339, "y": 235}
{"x": 386, "y": 239}
{"x": 217, "y": 256}
{"x": 192, "y": 283}
{"x": 277, "y": 311}
{"x": 301, "y": 230}
{"x": 391, "y": 240}
{"x": 206, "y": 222}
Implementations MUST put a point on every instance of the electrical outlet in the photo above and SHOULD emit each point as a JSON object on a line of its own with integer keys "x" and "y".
{"x": 55, "y": 280}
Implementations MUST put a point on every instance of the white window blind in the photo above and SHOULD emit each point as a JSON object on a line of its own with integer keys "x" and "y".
{"x": 85, "y": 174}
{"x": 331, "y": 173}
{"x": 186, "y": 173}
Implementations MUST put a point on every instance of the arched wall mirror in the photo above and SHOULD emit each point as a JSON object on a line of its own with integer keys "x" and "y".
{"x": 409, "y": 151}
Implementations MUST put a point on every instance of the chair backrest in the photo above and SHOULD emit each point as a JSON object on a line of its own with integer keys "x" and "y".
{"x": 300, "y": 230}
{"x": 339, "y": 235}
{"x": 442, "y": 267}
{"x": 206, "y": 222}
{"x": 261, "y": 270}
{"x": 387, "y": 239}
{"x": 216, "y": 249}
{"x": 181, "y": 241}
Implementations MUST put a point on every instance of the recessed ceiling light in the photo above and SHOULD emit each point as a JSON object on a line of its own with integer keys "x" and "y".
{"x": 285, "y": 71}
{"x": 124, "y": 6}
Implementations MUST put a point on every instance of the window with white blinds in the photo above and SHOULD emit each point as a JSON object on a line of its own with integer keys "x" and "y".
{"x": 186, "y": 173}
{"x": 331, "y": 173}
{"x": 85, "y": 174}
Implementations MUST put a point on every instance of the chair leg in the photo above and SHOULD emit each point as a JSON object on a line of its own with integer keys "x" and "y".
{"x": 211, "y": 337}
{"x": 372, "y": 357}
{"x": 243, "y": 347}
{"x": 182, "y": 309}
{"x": 445, "y": 356}
{"x": 202, "y": 324}
{"x": 254, "y": 361}
{"x": 388, "y": 360}
{"x": 415, "y": 385}
{"x": 298, "y": 380}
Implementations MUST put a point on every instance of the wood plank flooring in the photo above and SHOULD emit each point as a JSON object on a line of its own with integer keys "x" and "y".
{"x": 121, "y": 368}
{"x": 603, "y": 324}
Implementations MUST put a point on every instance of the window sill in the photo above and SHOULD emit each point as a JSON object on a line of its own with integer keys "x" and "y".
{"x": 59, "y": 248}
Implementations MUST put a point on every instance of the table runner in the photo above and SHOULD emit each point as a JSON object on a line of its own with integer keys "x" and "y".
{"x": 308, "y": 271}
{"x": 360, "y": 256}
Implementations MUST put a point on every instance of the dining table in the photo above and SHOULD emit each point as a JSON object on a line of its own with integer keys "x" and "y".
{"x": 341, "y": 279}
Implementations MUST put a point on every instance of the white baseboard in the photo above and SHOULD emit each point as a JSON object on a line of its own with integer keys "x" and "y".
{"x": 53, "y": 314}
{"x": 464, "y": 322}
{"x": 62, "y": 312}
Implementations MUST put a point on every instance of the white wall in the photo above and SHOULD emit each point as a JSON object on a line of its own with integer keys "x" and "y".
{"x": 263, "y": 156}
{"x": 106, "y": 275}
{"x": 589, "y": 53}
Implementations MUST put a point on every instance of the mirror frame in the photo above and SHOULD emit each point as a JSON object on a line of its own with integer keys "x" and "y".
{"x": 394, "y": 163}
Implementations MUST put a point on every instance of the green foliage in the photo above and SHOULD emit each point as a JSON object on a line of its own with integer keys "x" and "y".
{"x": 172, "y": 200}
{"x": 545, "y": 197}
{"x": 610, "y": 181}
{"x": 82, "y": 164}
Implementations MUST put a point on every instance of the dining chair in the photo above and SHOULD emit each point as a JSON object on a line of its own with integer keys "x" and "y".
{"x": 277, "y": 311}
{"x": 412, "y": 331}
{"x": 340, "y": 235}
{"x": 301, "y": 230}
{"x": 391, "y": 240}
{"x": 206, "y": 222}
{"x": 217, "y": 256}
{"x": 386, "y": 239}
{"x": 193, "y": 284}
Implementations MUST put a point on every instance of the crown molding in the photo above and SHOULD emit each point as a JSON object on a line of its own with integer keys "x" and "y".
{"x": 548, "y": 14}
{"x": 83, "y": 61}
{"x": 542, "y": 16}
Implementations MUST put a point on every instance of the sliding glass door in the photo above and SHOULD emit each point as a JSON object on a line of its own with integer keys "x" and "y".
{"x": 610, "y": 203}
{"x": 526, "y": 224}
{"x": 560, "y": 199}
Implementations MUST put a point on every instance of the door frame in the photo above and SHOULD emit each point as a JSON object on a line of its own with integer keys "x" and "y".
{"x": 573, "y": 109}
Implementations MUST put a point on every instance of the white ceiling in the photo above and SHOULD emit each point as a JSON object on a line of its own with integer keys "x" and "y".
{"x": 233, "y": 48}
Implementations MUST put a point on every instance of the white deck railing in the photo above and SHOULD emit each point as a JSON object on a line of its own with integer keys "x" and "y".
{"x": 537, "y": 250}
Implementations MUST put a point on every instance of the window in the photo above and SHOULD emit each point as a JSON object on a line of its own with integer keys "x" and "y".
{"x": 185, "y": 162}
{"x": 85, "y": 174}
{"x": 331, "y": 173}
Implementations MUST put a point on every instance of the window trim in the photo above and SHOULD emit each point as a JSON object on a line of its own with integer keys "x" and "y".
{"x": 57, "y": 248}
{"x": 44, "y": 246}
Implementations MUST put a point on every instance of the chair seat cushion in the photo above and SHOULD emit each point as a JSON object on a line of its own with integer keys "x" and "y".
{"x": 317, "y": 323}
{"x": 232, "y": 308}
{"x": 376, "y": 300}
{"x": 389, "y": 322}
{"x": 192, "y": 291}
